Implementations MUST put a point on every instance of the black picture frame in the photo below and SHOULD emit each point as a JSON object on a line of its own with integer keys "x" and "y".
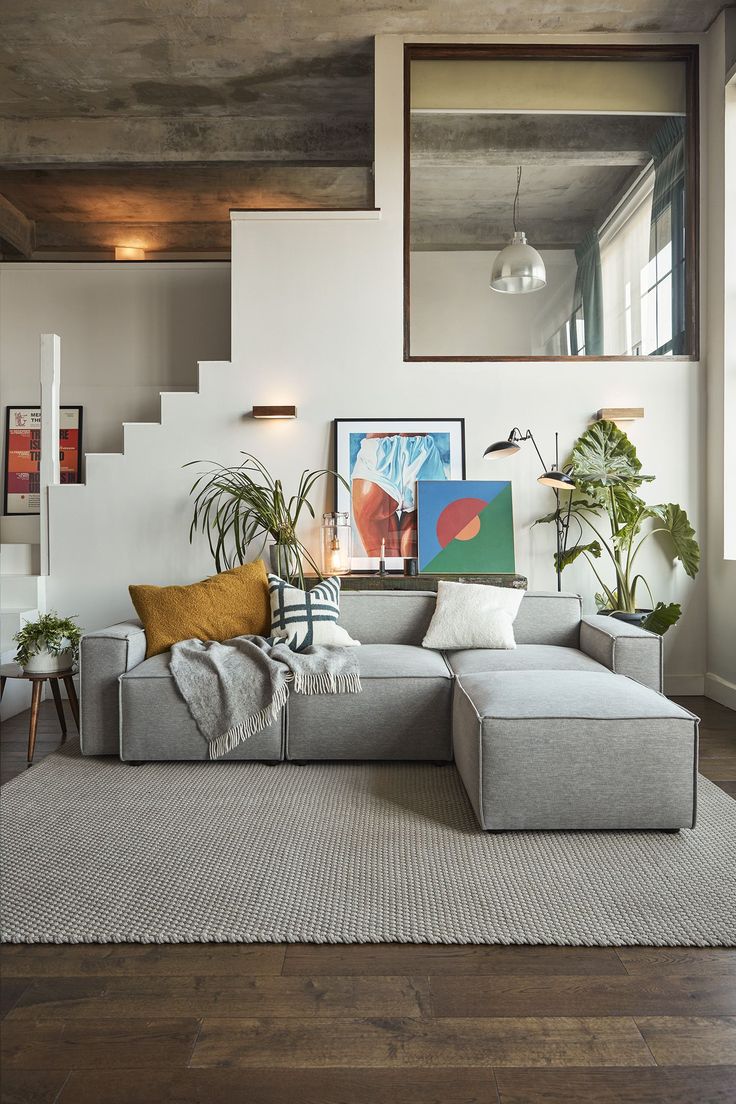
{"x": 6, "y": 452}
{"x": 457, "y": 424}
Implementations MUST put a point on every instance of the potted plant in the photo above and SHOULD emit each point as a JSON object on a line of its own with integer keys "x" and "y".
{"x": 48, "y": 645}
{"x": 235, "y": 506}
{"x": 606, "y": 507}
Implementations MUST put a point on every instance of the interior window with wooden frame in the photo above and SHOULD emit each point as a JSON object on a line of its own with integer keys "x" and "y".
{"x": 550, "y": 202}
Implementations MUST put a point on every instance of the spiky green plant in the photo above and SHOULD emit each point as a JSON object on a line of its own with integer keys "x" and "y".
{"x": 607, "y": 474}
{"x": 237, "y": 506}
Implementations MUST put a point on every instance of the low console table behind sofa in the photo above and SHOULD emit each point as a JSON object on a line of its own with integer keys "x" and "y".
{"x": 568, "y": 730}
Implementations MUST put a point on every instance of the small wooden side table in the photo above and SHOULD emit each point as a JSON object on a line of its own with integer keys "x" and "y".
{"x": 12, "y": 670}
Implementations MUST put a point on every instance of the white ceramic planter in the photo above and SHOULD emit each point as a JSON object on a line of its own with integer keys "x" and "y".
{"x": 44, "y": 663}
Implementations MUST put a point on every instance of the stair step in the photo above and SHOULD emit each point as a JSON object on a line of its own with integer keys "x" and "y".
{"x": 173, "y": 403}
{"x": 19, "y": 559}
{"x": 21, "y": 591}
{"x": 11, "y": 620}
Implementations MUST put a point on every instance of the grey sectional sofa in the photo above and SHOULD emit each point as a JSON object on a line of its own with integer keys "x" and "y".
{"x": 568, "y": 730}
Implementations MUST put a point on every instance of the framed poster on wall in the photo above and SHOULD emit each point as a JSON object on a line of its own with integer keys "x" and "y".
{"x": 382, "y": 459}
{"x": 23, "y": 455}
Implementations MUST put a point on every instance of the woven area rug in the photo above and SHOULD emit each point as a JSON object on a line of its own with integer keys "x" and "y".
{"x": 95, "y": 850}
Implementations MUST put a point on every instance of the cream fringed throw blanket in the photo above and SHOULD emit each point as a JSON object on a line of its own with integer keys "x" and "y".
{"x": 236, "y": 689}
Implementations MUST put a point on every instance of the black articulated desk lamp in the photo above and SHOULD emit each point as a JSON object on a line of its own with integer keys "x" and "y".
{"x": 550, "y": 477}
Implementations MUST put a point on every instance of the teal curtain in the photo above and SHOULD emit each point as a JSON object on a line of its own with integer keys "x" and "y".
{"x": 588, "y": 295}
{"x": 668, "y": 219}
{"x": 668, "y": 153}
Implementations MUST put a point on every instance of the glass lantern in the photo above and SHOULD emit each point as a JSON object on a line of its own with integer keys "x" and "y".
{"x": 336, "y": 542}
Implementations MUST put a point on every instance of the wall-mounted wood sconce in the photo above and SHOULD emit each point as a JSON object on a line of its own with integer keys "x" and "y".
{"x": 620, "y": 413}
{"x": 274, "y": 412}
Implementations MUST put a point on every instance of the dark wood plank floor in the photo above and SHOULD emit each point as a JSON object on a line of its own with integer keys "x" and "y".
{"x": 370, "y": 1024}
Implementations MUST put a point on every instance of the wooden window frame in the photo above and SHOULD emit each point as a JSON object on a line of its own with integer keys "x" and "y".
{"x": 687, "y": 54}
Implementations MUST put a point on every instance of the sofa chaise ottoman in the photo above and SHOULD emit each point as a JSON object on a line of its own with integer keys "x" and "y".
{"x": 573, "y": 749}
{"x": 414, "y": 704}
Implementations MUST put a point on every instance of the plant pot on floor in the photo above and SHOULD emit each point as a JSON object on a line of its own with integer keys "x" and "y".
{"x": 45, "y": 662}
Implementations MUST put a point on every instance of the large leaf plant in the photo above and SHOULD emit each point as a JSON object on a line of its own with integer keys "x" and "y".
{"x": 236, "y": 506}
{"x": 614, "y": 523}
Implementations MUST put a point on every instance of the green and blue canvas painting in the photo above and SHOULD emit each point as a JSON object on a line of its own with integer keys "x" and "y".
{"x": 465, "y": 526}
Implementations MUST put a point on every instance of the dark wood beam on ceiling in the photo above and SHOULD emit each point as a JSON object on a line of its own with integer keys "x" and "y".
{"x": 153, "y": 237}
{"x": 16, "y": 230}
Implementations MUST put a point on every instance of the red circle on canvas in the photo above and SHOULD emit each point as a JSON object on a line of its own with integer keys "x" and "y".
{"x": 460, "y": 520}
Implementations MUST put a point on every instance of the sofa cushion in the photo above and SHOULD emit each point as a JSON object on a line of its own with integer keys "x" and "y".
{"x": 396, "y": 661}
{"x": 573, "y": 750}
{"x": 155, "y": 722}
{"x": 387, "y": 617}
{"x": 473, "y": 615}
{"x": 156, "y": 667}
{"x": 565, "y": 695}
{"x": 302, "y": 618}
{"x": 403, "y": 711}
{"x": 549, "y": 617}
{"x": 232, "y": 603}
{"x": 525, "y": 657}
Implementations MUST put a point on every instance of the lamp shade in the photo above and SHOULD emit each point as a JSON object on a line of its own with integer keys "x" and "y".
{"x": 502, "y": 448}
{"x": 518, "y": 268}
{"x": 558, "y": 480}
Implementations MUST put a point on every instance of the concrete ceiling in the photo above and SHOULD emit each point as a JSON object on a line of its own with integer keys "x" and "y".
{"x": 151, "y": 83}
{"x": 575, "y": 168}
{"x": 165, "y": 209}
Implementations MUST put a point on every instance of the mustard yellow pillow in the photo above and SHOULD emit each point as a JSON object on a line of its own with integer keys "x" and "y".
{"x": 234, "y": 603}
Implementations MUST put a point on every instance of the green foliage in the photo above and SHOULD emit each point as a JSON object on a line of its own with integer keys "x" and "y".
{"x": 604, "y": 456}
{"x": 58, "y": 634}
{"x": 239, "y": 505}
{"x": 682, "y": 535}
{"x": 571, "y": 554}
{"x": 607, "y": 474}
{"x": 662, "y": 617}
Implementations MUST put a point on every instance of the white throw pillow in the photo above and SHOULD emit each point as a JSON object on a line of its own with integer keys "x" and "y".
{"x": 473, "y": 615}
{"x": 304, "y": 617}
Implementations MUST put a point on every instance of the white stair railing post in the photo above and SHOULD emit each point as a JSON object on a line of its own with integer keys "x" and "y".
{"x": 49, "y": 469}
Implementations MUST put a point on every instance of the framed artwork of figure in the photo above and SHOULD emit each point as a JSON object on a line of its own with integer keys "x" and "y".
{"x": 382, "y": 460}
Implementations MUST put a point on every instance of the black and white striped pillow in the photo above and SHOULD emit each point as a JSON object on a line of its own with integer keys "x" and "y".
{"x": 305, "y": 617}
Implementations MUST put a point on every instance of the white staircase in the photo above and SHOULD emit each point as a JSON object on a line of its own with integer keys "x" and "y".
{"x": 22, "y": 598}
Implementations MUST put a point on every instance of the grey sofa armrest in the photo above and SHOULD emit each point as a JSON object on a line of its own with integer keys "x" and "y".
{"x": 104, "y": 656}
{"x": 624, "y": 649}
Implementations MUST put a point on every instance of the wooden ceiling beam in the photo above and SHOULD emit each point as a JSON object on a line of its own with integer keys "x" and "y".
{"x": 16, "y": 230}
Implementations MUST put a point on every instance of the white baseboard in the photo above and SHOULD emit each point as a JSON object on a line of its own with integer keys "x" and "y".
{"x": 684, "y": 686}
{"x": 720, "y": 690}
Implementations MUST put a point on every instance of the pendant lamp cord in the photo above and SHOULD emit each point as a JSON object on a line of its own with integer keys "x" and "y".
{"x": 516, "y": 197}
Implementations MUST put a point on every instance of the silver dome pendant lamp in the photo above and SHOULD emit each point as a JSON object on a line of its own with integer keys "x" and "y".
{"x": 518, "y": 268}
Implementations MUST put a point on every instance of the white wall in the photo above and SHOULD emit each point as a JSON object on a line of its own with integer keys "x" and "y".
{"x": 455, "y": 313}
{"x": 317, "y": 320}
{"x": 128, "y": 331}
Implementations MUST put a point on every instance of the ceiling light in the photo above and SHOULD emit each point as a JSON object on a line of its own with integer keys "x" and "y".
{"x": 518, "y": 268}
{"x": 129, "y": 253}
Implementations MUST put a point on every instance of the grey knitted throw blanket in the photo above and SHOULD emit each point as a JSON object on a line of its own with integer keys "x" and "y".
{"x": 237, "y": 688}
